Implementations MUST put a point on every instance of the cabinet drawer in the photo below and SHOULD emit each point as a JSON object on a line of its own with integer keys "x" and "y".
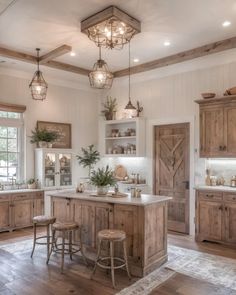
{"x": 21, "y": 197}
{"x": 210, "y": 195}
{"x": 38, "y": 195}
{"x": 230, "y": 197}
{"x": 5, "y": 197}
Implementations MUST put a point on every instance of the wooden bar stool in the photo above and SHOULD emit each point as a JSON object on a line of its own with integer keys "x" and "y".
{"x": 66, "y": 229}
{"x": 42, "y": 220}
{"x": 112, "y": 236}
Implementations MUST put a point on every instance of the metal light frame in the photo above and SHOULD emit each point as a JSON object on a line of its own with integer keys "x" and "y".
{"x": 38, "y": 85}
{"x": 110, "y": 28}
{"x": 129, "y": 105}
{"x": 100, "y": 77}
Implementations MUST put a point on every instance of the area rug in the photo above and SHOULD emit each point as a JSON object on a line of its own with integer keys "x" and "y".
{"x": 211, "y": 268}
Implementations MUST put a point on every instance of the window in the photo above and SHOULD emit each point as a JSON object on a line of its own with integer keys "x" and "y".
{"x": 11, "y": 141}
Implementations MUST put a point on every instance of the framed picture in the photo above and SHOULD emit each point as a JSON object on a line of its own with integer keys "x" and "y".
{"x": 63, "y": 129}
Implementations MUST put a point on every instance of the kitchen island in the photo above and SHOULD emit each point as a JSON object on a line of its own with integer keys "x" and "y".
{"x": 143, "y": 219}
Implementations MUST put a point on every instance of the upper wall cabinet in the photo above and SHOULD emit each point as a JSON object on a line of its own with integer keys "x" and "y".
{"x": 123, "y": 138}
{"x": 218, "y": 127}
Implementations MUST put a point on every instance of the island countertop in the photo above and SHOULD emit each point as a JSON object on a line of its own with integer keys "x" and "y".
{"x": 144, "y": 200}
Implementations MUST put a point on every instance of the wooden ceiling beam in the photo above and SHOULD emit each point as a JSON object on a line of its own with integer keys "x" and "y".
{"x": 180, "y": 57}
{"x": 55, "y": 53}
{"x": 67, "y": 67}
{"x": 17, "y": 55}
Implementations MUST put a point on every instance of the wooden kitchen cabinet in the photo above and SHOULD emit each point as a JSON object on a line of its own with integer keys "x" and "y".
{"x": 18, "y": 209}
{"x": 216, "y": 217}
{"x": 61, "y": 209}
{"x": 217, "y": 122}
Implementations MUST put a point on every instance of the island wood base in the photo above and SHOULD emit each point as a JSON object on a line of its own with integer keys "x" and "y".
{"x": 145, "y": 226}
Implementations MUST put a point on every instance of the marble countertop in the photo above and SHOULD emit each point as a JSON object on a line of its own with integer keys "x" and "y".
{"x": 220, "y": 188}
{"x": 19, "y": 191}
{"x": 143, "y": 201}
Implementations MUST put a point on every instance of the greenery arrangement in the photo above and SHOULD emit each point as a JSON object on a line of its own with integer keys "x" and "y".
{"x": 31, "y": 181}
{"x": 102, "y": 177}
{"x": 43, "y": 135}
{"x": 90, "y": 156}
{"x": 110, "y": 108}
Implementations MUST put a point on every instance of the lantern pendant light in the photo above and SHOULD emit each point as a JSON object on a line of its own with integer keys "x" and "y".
{"x": 100, "y": 77}
{"x": 38, "y": 85}
{"x": 130, "y": 107}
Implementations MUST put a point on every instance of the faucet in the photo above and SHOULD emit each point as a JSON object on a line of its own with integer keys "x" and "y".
{"x": 13, "y": 180}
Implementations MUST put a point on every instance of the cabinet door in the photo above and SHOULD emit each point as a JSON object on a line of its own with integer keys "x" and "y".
{"x": 22, "y": 213}
{"x": 230, "y": 222}
{"x": 5, "y": 218}
{"x": 38, "y": 206}
{"x": 126, "y": 218}
{"x": 61, "y": 209}
{"x": 50, "y": 170}
{"x": 211, "y": 131}
{"x": 65, "y": 169}
{"x": 229, "y": 130}
{"x": 210, "y": 220}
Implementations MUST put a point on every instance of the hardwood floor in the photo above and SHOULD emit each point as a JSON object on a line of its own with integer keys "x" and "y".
{"x": 21, "y": 275}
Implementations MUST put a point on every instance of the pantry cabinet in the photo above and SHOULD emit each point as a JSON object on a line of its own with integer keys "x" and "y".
{"x": 18, "y": 209}
{"x": 217, "y": 125}
{"x": 54, "y": 168}
{"x": 123, "y": 138}
{"x": 216, "y": 216}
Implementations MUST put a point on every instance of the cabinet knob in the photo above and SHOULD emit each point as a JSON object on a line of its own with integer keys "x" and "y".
{"x": 224, "y": 147}
{"x": 226, "y": 208}
{"x": 221, "y": 207}
{"x": 221, "y": 148}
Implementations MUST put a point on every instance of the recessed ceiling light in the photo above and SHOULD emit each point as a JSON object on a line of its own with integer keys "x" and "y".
{"x": 226, "y": 23}
{"x": 72, "y": 53}
{"x": 167, "y": 43}
{"x": 136, "y": 59}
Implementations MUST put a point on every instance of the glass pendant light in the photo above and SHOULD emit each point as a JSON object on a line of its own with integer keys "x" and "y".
{"x": 38, "y": 85}
{"x": 100, "y": 77}
{"x": 130, "y": 108}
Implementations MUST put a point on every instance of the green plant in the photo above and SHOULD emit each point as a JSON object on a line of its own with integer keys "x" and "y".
{"x": 110, "y": 106}
{"x": 43, "y": 135}
{"x": 31, "y": 181}
{"x": 102, "y": 177}
{"x": 90, "y": 156}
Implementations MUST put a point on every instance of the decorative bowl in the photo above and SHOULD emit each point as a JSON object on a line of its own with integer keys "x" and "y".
{"x": 207, "y": 95}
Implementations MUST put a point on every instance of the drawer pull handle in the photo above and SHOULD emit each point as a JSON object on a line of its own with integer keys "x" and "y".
{"x": 221, "y": 207}
{"x": 226, "y": 208}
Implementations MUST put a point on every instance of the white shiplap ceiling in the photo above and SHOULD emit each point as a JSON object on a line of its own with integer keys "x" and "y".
{"x": 27, "y": 24}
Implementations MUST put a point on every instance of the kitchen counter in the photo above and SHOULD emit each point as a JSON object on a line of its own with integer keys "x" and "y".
{"x": 143, "y": 219}
{"x": 20, "y": 191}
{"x": 143, "y": 201}
{"x": 220, "y": 188}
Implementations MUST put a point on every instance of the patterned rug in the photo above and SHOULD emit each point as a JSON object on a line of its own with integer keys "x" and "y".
{"x": 211, "y": 268}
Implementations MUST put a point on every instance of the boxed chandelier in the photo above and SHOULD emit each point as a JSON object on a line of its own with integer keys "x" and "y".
{"x": 110, "y": 28}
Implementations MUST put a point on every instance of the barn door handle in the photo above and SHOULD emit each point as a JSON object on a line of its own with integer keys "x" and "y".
{"x": 186, "y": 184}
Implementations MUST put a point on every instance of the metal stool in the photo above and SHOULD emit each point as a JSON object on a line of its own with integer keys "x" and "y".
{"x": 112, "y": 236}
{"x": 65, "y": 228}
{"x": 47, "y": 221}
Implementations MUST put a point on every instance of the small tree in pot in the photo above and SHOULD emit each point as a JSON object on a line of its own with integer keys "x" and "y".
{"x": 102, "y": 179}
{"x": 110, "y": 108}
{"x": 90, "y": 156}
{"x": 43, "y": 138}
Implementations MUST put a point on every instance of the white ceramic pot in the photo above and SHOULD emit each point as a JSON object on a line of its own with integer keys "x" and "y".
{"x": 42, "y": 144}
{"x": 32, "y": 186}
{"x": 49, "y": 144}
{"x": 102, "y": 190}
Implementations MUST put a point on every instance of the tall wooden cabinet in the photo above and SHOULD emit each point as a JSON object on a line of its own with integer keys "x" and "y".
{"x": 216, "y": 216}
{"x": 217, "y": 127}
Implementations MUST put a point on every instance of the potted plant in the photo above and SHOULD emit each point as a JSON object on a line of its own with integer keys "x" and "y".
{"x": 110, "y": 108}
{"x": 43, "y": 138}
{"x": 90, "y": 156}
{"x": 32, "y": 183}
{"x": 102, "y": 179}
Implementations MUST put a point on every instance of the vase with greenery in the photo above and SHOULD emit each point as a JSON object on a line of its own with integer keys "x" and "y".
{"x": 102, "y": 178}
{"x": 109, "y": 108}
{"x": 90, "y": 156}
{"x": 32, "y": 183}
{"x": 43, "y": 138}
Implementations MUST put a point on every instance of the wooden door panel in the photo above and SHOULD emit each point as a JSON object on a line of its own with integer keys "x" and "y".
{"x": 229, "y": 127}
{"x": 23, "y": 213}
{"x": 210, "y": 220}
{"x": 38, "y": 206}
{"x": 172, "y": 172}
{"x": 61, "y": 209}
{"x": 211, "y": 131}
{"x": 5, "y": 221}
{"x": 230, "y": 222}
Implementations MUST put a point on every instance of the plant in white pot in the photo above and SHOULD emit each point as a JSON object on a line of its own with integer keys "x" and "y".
{"x": 43, "y": 138}
{"x": 32, "y": 183}
{"x": 90, "y": 156}
{"x": 102, "y": 178}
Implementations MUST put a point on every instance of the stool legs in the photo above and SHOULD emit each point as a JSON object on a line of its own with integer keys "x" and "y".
{"x": 112, "y": 263}
{"x": 126, "y": 258}
{"x": 70, "y": 244}
{"x": 48, "y": 241}
{"x": 34, "y": 242}
{"x": 98, "y": 256}
{"x": 63, "y": 251}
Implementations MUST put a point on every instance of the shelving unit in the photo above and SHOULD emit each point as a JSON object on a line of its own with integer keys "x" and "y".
{"x": 123, "y": 138}
{"x": 53, "y": 167}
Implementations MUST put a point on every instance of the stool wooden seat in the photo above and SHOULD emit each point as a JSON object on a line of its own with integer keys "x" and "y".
{"x": 42, "y": 220}
{"x": 112, "y": 236}
{"x": 66, "y": 228}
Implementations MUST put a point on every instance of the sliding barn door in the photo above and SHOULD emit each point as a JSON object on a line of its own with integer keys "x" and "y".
{"x": 171, "y": 175}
